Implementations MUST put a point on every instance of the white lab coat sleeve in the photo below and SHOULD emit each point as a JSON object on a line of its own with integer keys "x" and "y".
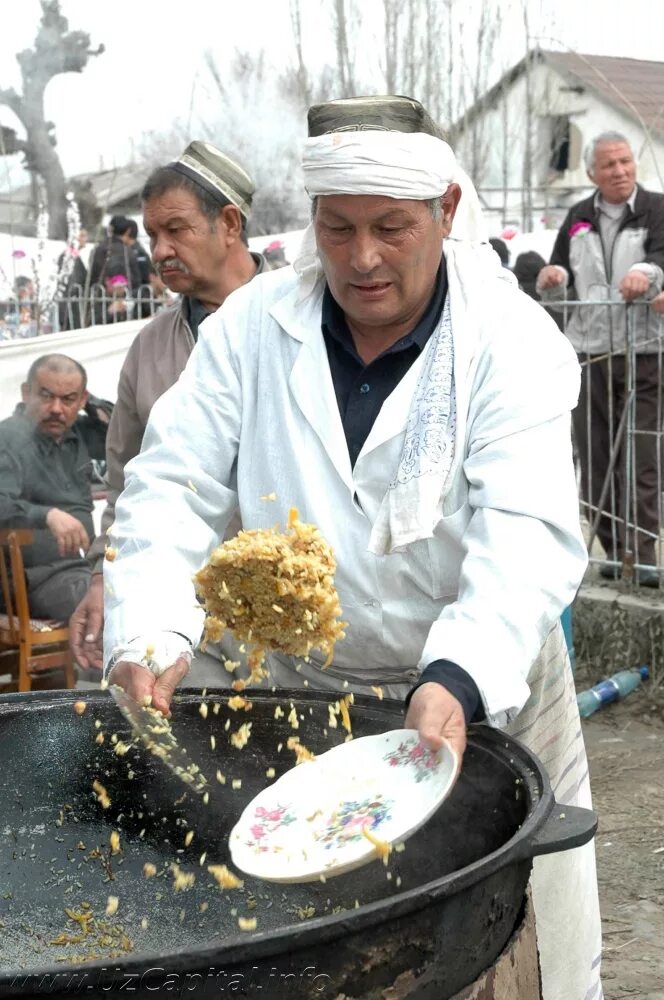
{"x": 179, "y": 496}
{"x": 524, "y": 554}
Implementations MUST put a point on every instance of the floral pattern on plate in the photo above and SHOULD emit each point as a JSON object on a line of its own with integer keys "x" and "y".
{"x": 423, "y": 760}
{"x": 268, "y": 822}
{"x": 311, "y": 821}
{"x": 350, "y": 818}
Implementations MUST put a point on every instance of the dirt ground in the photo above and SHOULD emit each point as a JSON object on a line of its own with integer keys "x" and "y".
{"x": 625, "y": 744}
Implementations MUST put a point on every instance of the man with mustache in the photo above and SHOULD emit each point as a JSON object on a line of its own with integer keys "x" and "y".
{"x": 46, "y": 449}
{"x": 195, "y": 212}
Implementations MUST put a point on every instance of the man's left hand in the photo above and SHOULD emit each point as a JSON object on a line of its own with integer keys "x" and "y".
{"x": 634, "y": 284}
{"x": 437, "y": 715}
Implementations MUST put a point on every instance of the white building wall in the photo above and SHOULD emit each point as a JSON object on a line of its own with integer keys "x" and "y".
{"x": 500, "y": 138}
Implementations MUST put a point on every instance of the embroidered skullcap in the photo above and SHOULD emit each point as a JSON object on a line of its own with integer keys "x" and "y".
{"x": 217, "y": 174}
{"x": 376, "y": 145}
{"x": 389, "y": 113}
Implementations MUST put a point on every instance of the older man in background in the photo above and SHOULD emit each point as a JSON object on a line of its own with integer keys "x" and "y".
{"x": 611, "y": 248}
{"x": 383, "y": 392}
{"x": 195, "y": 213}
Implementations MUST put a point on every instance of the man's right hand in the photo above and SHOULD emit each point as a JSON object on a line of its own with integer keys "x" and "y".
{"x": 549, "y": 277}
{"x": 139, "y": 681}
{"x": 657, "y": 304}
{"x": 86, "y": 626}
{"x": 68, "y": 532}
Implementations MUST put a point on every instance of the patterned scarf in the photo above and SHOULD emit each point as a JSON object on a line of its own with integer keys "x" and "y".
{"x": 411, "y": 506}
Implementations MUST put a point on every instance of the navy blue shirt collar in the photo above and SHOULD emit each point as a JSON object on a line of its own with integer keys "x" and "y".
{"x": 334, "y": 322}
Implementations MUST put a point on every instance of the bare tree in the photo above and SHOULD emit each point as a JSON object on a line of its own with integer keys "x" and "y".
{"x": 56, "y": 50}
{"x": 344, "y": 22}
{"x": 527, "y": 178}
{"x": 475, "y": 88}
{"x": 302, "y": 79}
{"x": 449, "y": 103}
{"x": 409, "y": 59}
{"x": 432, "y": 57}
{"x": 504, "y": 152}
{"x": 261, "y": 128}
{"x": 393, "y": 10}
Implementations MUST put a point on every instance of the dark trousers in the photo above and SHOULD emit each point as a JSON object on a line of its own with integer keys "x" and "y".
{"x": 59, "y": 595}
{"x": 596, "y": 419}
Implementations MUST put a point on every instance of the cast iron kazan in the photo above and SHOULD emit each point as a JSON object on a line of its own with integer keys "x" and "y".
{"x": 444, "y": 916}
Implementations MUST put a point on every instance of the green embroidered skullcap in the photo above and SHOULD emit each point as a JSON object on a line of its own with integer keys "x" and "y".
{"x": 217, "y": 174}
{"x": 386, "y": 113}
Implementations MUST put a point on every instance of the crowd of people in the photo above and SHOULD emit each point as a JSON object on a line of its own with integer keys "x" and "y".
{"x": 387, "y": 386}
{"x": 120, "y": 283}
{"x": 18, "y": 314}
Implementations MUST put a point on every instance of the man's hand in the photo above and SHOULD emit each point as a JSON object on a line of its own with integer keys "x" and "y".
{"x": 634, "y": 284}
{"x": 437, "y": 715}
{"x": 86, "y": 626}
{"x": 549, "y": 277}
{"x": 68, "y": 532}
{"x": 139, "y": 681}
{"x": 657, "y": 304}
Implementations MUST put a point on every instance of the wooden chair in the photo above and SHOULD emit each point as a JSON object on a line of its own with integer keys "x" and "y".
{"x": 30, "y": 648}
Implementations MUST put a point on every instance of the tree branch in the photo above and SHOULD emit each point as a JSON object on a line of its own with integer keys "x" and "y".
{"x": 11, "y": 100}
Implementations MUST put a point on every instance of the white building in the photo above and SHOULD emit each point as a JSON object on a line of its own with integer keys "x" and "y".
{"x": 523, "y": 141}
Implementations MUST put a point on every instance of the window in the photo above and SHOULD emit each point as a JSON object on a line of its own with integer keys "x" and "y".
{"x": 560, "y": 142}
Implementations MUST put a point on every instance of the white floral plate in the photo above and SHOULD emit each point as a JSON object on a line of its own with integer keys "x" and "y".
{"x": 313, "y": 820}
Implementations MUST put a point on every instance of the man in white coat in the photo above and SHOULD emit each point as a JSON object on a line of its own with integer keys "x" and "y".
{"x": 401, "y": 392}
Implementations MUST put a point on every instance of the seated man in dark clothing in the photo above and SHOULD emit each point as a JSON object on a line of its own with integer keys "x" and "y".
{"x": 46, "y": 452}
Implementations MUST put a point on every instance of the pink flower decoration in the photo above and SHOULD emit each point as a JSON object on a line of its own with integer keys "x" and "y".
{"x": 273, "y": 815}
{"x": 352, "y": 822}
{"x": 18, "y": 254}
{"x": 509, "y": 232}
{"x": 257, "y": 832}
{"x": 579, "y": 229}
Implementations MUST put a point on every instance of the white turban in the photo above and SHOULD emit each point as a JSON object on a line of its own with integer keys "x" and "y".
{"x": 405, "y": 165}
{"x": 394, "y": 164}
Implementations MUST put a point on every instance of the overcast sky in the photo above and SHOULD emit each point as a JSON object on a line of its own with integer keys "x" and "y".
{"x": 152, "y": 71}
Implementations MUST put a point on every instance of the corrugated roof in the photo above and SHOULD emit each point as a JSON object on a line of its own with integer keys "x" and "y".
{"x": 635, "y": 85}
{"x": 114, "y": 187}
{"x": 111, "y": 188}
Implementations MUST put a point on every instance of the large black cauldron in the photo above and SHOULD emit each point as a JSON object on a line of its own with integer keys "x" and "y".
{"x": 444, "y": 916}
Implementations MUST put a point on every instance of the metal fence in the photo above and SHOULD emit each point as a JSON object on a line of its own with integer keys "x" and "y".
{"x": 24, "y": 317}
{"x": 618, "y": 430}
{"x": 618, "y": 426}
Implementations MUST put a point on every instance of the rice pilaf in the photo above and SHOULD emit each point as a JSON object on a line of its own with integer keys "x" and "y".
{"x": 273, "y": 591}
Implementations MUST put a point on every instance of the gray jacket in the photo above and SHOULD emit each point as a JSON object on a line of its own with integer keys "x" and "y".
{"x": 594, "y": 272}
{"x": 37, "y": 474}
{"x": 154, "y": 363}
